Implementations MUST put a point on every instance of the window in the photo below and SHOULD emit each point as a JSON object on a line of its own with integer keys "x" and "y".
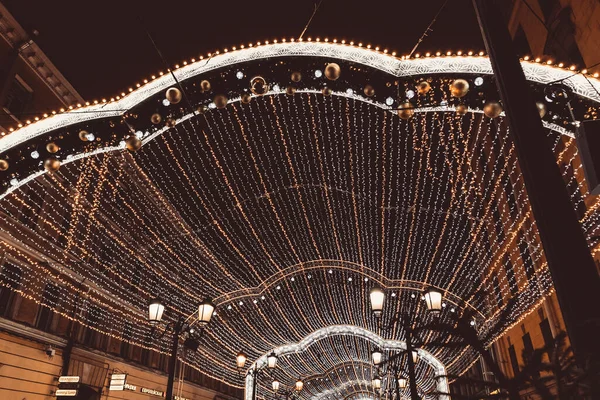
{"x": 527, "y": 345}
{"x": 497, "y": 291}
{"x": 510, "y": 275}
{"x": 45, "y": 314}
{"x": 527, "y": 260}
{"x": 513, "y": 359}
{"x": 10, "y": 279}
{"x": 125, "y": 345}
{"x": 546, "y": 332}
{"x": 18, "y": 98}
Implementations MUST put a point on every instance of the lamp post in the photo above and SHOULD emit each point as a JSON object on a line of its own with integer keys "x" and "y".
{"x": 377, "y": 356}
{"x": 155, "y": 313}
{"x": 433, "y": 301}
{"x": 377, "y": 297}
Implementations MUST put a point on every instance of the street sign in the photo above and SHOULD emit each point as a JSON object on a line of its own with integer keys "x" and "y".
{"x": 68, "y": 379}
{"x": 66, "y": 392}
{"x": 117, "y": 381}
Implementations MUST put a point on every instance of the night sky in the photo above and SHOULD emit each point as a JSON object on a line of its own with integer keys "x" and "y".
{"x": 102, "y": 47}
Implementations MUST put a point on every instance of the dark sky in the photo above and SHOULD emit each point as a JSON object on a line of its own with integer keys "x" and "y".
{"x": 102, "y": 48}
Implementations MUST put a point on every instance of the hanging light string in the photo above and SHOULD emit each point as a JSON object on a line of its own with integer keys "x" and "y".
{"x": 427, "y": 30}
{"x": 310, "y": 19}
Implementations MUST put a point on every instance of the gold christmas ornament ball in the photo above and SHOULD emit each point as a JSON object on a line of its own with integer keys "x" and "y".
{"x": 133, "y": 143}
{"x": 332, "y": 71}
{"x": 205, "y": 85}
{"x": 327, "y": 91}
{"x": 155, "y": 118}
{"x": 170, "y": 122}
{"x": 52, "y": 147}
{"x": 258, "y": 85}
{"x": 492, "y": 109}
{"x": 201, "y": 109}
{"x": 173, "y": 95}
{"x": 52, "y": 164}
{"x": 423, "y": 87}
{"x": 3, "y": 165}
{"x": 369, "y": 91}
{"x": 83, "y": 135}
{"x": 290, "y": 90}
{"x": 459, "y": 88}
{"x": 541, "y": 107}
{"x": 296, "y": 76}
{"x": 220, "y": 101}
{"x": 406, "y": 110}
{"x": 246, "y": 98}
{"x": 461, "y": 109}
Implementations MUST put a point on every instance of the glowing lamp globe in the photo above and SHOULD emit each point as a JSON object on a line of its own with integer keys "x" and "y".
{"x": 433, "y": 300}
{"x": 155, "y": 311}
{"x": 377, "y": 298}
{"x": 275, "y": 385}
{"x": 272, "y": 360}
{"x": 377, "y": 382}
{"x": 205, "y": 312}
{"x": 377, "y": 356}
{"x": 402, "y": 382}
{"x": 240, "y": 359}
{"x": 415, "y": 356}
{"x": 299, "y": 384}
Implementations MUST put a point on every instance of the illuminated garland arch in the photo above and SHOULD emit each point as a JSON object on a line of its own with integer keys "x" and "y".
{"x": 540, "y": 73}
{"x": 333, "y": 330}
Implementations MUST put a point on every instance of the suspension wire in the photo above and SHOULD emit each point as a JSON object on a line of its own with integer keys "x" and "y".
{"x": 166, "y": 64}
{"x": 428, "y": 29}
{"x": 311, "y": 18}
{"x": 552, "y": 34}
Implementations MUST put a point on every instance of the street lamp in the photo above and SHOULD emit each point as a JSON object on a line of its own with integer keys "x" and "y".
{"x": 272, "y": 360}
{"x": 377, "y": 298}
{"x": 205, "y": 312}
{"x": 299, "y": 384}
{"x": 155, "y": 311}
{"x": 402, "y": 382}
{"x": 415, "y": 356}
{"x": 240, "y": 360}
{"x": 433, "y": 301}
{"x": 275, "y": 385}
{"x": 179, "y": 327}
{"x": 376, "y": 356}
{"x": 377, "y": 382}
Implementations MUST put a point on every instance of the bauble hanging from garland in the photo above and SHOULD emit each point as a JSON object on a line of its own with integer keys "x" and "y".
{"x": 52, "y": 164}
{"x": 205, "y": 85}
{"x": 423, "y": 87}
{"x": 326, "y": 91}
{"x": 406, "y": 110}
{"x": 462, "y": 109}
{"x": 133, "y": 143}
{"x": 259, "y": 86}
{"x": 296, "y": 76}
{"x": 52, "y": 147}
{"x": 173, "y": 95}
{"x": 459, "y": 88}
{"x": 369, "y": 91}
{"x": 332, "y": 71}
{"x": 246, "y": 98}
{"x": 155, "y": 118}
{"x": 492, "y": 109}
{"x": 290, "y": 90}
{"x": 220, "y": 101}
{"x": 3, "y": 165}
{"x": 83, "y": 135}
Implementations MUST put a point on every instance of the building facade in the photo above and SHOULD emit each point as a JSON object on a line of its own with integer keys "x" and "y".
{"x": 30, "y": 85}
{"x": 34, "y": 340}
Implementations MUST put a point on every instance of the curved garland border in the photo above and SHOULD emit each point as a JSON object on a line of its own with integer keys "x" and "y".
{"x": 261, "y": 362}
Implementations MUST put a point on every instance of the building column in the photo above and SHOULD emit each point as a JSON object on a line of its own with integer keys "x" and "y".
{"x": 569, "y": 259}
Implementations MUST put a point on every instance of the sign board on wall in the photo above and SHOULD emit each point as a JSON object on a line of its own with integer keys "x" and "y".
{"x": 66, "y": 392}
{"x": 68, "y": 379}
{"x": 117, "y": 381}
{"x": 153, "y": 392}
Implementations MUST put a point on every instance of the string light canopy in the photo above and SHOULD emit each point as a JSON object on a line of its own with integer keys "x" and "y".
{"x": 288, "y": 207}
